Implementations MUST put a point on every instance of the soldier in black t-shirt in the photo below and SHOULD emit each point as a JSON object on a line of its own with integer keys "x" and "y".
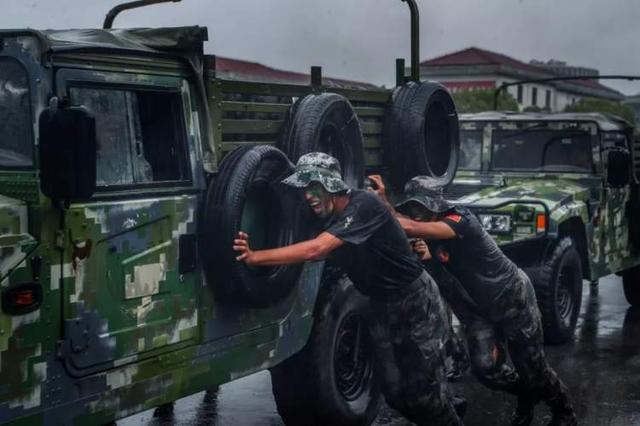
{"x": 493, "y": 299}
{"x": 408, "y": 317}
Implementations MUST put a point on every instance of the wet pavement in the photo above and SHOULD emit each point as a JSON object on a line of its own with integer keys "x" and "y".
{"x": 601, "y": 367}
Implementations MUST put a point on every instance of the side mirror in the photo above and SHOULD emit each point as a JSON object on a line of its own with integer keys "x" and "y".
{"x": 618, "y": 168}
{"x": 67, "y": 153}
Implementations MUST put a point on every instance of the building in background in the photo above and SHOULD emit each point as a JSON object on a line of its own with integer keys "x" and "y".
{"x": 475, "y": 68}
{"x": 236, "y": 69}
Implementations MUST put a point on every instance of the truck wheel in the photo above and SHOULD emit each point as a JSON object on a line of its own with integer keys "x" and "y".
{"x": 326, "y": 123}
{"x": 558, "y": 285}
{"x": 421, "y": 134}
{"x": 331, "y": 381}
{"x": 631, "y": 283}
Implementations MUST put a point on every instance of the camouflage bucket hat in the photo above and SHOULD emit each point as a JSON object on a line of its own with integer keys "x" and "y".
{"x": 317, "y": 167}
{"x": 427, "y": 192}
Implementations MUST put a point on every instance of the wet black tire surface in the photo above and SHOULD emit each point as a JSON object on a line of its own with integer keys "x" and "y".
{"x": 421, "y": 136}
{"x": 558, "y": 285}
{"x": 330, "y": 383}
{"x": 326, "y": 123}
{"x": 247, "y": 195}
{"x": 631, "y": 284}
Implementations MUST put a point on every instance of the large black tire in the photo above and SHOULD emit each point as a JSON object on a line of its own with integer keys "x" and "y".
{"x": 326, "y": 123}
{"x": 247, "y": 195}
{"x": 631, "y": 284}
{"x": 421, "y": 136}
{"x": 331, "y": 381}
{"x": 558, "y": 285}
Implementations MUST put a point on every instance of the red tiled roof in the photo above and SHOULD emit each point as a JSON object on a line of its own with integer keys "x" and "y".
{"x": 236, "y": 68}
{"x": 476, "y": 56}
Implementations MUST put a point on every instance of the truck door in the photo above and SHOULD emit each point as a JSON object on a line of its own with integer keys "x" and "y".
{"x": 128, "y": 293}
{"x": 614, "y": 221}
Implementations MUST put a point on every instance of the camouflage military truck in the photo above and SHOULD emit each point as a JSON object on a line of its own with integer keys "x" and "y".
{"x": 560, "y": 194}
{"x": 126, "y": 169}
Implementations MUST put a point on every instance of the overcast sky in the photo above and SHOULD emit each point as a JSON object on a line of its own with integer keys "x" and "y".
{"x": 360, "y": 39}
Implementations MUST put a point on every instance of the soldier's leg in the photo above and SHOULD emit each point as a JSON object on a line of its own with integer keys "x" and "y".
{"x": 523, "y": 327}
{"x": 418, "y": 334}
{"x": 457, "y": 358}
{"x": 488, "y": 356}
{"x": 386, "y": 365}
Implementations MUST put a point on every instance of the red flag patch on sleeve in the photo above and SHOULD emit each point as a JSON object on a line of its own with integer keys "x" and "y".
{"x": 454, "y": 217}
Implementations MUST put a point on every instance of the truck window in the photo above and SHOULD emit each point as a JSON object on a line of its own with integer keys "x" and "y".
{"x": 542, "y": 150}
{"x": 16, "y": 148}
{"x": 140, "y": 135}
{"x": 470, "y": 150}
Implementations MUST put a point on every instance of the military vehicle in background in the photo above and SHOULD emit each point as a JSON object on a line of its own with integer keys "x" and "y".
{"x": 127, "y": 167}
{"x": 560, "y": 194}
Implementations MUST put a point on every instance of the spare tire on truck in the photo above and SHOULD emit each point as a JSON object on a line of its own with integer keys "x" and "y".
{"x": 420, "y": 134}
{"x": 332, "y": 380}
{"x": 247, "y": 195}
{"x": 326, "y": 123}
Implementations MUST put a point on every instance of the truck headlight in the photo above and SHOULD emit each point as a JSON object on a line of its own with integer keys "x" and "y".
{"x": 499, "y": 223}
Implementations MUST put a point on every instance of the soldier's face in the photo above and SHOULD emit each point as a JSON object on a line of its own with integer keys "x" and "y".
{"x": 320, "y": 201}
{"x": 418, "y": 213}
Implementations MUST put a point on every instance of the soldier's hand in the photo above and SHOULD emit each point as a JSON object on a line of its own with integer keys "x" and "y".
{"x": 241, "y": 247}
{"x": 379, "y": 189}
{"x": 421, "y": 249}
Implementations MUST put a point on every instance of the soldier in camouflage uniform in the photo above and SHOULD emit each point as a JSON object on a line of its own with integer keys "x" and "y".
{"x": 408, "y": 318}
{"x": 493, "y": 299}
{"x": 457, "y": 359}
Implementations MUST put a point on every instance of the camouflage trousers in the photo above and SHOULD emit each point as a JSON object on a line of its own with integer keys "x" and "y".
{"x": 513, "y": 326}
{"x": 409, "y": 332}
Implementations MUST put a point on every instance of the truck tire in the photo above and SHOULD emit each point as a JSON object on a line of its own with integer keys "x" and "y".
{"x": 631, "y": 284}
{"x": 246, "y": 195}
{"x": 558, "y": 285}
{"x": 420, "y": 135}
{"x": 331, "y": 381}
{"x": 326, "y": 123}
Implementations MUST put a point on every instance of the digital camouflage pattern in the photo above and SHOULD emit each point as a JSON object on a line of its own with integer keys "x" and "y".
{"x": 410, "y": 332}
{"x": 514, "y": 326}
{"x": 122, "y": 326}
{"x": 317, "y": 167}
{"x": 426, "y": 191}
{"x": 567, "y": 201}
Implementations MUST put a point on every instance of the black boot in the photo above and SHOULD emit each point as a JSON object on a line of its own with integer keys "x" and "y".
{"x": 564, "y": 417}
{"x": 523, "y": 416}
{"x": 562, "y": 410}
{"x": 460, "y": 405}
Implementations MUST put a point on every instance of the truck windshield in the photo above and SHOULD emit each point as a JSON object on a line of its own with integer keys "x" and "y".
{"x": 15, "y": 116}
{"x": 542, "y": 149}
{"x": 470, "y": 150}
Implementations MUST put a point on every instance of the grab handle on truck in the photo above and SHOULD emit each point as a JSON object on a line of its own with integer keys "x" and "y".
{"x": 415, "y": 39}
{"x": 108, "y": 20}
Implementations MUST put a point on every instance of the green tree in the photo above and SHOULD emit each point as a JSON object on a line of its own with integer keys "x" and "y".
{"x": 534, "y": 108}
{"x": 479, "y": 100}
{"x": 603, "y": 106}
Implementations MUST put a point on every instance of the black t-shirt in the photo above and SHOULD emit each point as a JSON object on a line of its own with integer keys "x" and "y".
{"x": 377, "y": 256}
{"x": 473, "y": 257}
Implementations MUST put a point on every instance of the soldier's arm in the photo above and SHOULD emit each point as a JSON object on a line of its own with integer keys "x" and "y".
{"x": 426, "y": 230}
{"x": 315, "y": 249}
{"x": 380, "y": 190}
